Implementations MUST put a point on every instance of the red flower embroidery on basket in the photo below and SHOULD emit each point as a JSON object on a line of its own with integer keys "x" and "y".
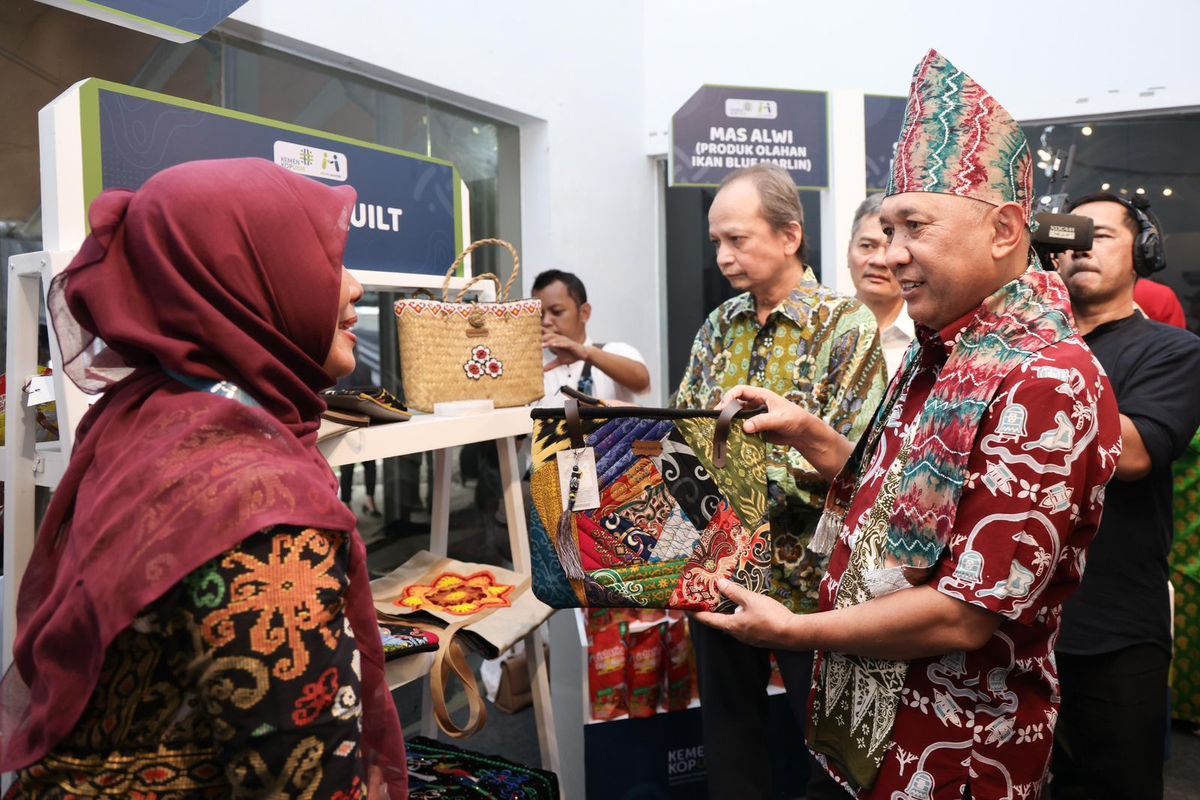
{"x": 483, "y": 363}
{"x": 451, "y": 593}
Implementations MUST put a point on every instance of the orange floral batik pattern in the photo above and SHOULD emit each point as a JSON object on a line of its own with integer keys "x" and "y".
{"x": 278, "y": 592}
{"x": 451, "y": 593}
{"x": 243, "y": 680}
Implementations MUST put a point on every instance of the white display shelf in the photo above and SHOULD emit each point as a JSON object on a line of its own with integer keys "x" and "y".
{"x": 424, "y": 432}
{"x": 406, "y": 669}
{"x": 48, "y": 465}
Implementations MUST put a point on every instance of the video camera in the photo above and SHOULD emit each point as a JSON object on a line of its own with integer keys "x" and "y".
{"x": 1056, "y": 231}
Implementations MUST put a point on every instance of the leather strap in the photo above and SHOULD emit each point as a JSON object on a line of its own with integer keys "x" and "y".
{"x": 721, "y": 433}
{"x": 586, "y": 373}
{"x": 574, "y": 424}
{"x": 451, "y": 658}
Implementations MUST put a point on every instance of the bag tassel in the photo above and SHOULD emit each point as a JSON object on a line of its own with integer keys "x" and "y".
{"x": 826, "y": 535}
{"x": 568, "y": 549}
{"x": 565, "y": 544}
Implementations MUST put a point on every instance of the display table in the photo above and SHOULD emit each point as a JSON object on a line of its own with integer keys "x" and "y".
{"x": 430, "y": 432}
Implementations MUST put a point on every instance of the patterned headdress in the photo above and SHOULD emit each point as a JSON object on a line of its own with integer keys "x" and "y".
{"x": 956, "y": 139}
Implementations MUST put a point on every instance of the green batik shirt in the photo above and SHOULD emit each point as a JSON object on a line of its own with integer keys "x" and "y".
{"x": 819, "y": 350}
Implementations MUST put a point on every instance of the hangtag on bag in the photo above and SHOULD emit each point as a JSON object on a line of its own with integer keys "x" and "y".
{"x": 40, "y": 389}
{"x": 587, "y": 492}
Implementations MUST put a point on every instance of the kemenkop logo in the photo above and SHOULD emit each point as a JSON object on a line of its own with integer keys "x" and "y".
{"x": 311, "y": 161}
{"x": 751, "y": 109}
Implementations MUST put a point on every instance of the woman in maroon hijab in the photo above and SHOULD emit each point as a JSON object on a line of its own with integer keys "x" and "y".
{"x": 196, "y": 620}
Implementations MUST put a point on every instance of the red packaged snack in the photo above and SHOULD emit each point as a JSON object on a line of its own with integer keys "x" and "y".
{"x": 650, "y": 615}
{"x": 606, "y": 672}
{"x": 596, "y": 619}
{"x": 599, "y": 618}
{"x": 623, "y": 614}
{"x": 645, "y": 670}
{"x": 679, "y": 666}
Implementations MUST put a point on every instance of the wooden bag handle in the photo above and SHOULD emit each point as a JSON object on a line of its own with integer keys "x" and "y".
{"x": 471, "y": 248}
{"x": 721, "y": 432}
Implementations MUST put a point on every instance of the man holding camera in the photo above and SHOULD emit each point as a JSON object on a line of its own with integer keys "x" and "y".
{"x": 1115, "y": 647}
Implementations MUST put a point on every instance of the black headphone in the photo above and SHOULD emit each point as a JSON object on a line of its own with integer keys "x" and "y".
{"x": 1149, "y": 253}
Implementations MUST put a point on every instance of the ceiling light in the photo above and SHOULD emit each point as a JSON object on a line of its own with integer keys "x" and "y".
{"x": 1124, "y": 190}
{"x": 1043, "y": 165}
{"x": 1167, "y": 192}
{"x": 1141, "y": 190}
{"x": 1044, "y": 154}
{"x": 1086, "y": 130}
{"x": 1105, "y": 186}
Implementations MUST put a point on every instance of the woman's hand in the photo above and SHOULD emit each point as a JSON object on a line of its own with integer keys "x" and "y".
{"x": 759, "y": 620}
{"x": 784, "y": 422}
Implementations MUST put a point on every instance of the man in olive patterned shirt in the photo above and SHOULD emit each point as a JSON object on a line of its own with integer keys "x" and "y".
{"x": 792, "y": 335}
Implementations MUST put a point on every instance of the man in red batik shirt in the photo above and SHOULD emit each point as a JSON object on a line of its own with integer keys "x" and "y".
{"x": 960, "y": 523}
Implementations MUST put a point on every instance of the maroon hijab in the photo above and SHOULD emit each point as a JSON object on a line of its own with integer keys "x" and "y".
{"x": 214, "y": 270}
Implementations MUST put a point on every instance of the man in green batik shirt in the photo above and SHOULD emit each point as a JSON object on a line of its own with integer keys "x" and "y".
{"x": 818, "y": 349}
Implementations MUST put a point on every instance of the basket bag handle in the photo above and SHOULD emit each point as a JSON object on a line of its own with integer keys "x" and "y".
{"x": 502, "y": 292}
{"x": 489, "y": 276}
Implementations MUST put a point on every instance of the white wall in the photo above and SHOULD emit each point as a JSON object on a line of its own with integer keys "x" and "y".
{"x": 1038, "y": 59}
{"x": 594, "y": 85}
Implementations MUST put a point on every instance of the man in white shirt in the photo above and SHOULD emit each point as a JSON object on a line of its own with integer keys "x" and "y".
{"x": 611, "y": 371}
{"x": 875, "y": 285}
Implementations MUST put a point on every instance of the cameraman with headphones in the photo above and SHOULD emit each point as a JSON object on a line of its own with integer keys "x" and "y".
{"x": 1114, "y": 651}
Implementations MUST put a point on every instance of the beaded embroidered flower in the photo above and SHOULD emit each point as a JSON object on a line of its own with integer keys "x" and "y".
{"x": 483, "y": 363}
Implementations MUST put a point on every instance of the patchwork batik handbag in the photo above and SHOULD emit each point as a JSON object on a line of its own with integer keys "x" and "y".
{"x": 646, "y": 507}
{"x": 453, "y": 351}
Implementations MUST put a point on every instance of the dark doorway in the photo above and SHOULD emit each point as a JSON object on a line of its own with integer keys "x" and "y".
{"x": 1152, "y": 154}
{"x": 694, "y": 284}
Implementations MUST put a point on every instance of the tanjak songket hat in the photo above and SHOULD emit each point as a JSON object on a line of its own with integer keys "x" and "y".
{"x": 956, "y": 139}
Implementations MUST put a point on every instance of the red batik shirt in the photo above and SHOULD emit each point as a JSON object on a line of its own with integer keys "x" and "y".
{"x": 1029, "y": 508}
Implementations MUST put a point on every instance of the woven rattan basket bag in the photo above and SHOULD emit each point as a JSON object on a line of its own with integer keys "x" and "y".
{"x": 471, "y": 351}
